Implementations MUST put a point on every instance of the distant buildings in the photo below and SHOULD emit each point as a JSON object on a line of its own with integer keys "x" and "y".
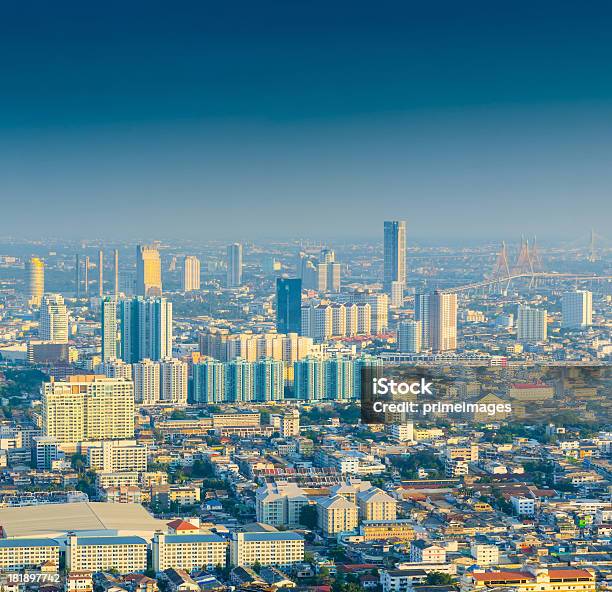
{"x": 443, "y": 321}
{"x": 234, "y": 265}
{"x": 188, "y": 551}
{"x": 394, "y": 254}
{"x": 159, "y": 382}
{"x": 84, "y": 408}
{"x": 322, "y": 274}
{"x": 148, "y": 271}
{"x": 225, "y": 346}
{"x": 110, "y": 330}
{"x": 531, "y": 324}
{"x": 409, "y": 337}
{"x": 146, "y": 329}
{"x": 577, "y": 309}
{"x": 289, "y": 305}
{"x": 421, "y": 314}
{"x": 36, "y": 281}
{"x": 238, "y": 380}
{"x": 280, "y": 504}
{"x": 191, "y": 273}
{"x": 53, "y": 322}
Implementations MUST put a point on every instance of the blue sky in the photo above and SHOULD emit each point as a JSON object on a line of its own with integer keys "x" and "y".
{"x": 469, "y": 120}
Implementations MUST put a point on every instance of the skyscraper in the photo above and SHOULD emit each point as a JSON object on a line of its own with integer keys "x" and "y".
{"x": 443, "y": 321}
{"x": 531, "y": 324}
{"x": 146, "y": 329}
{"x": 394, "y": 253}
{"x": 36, "y": 281}
{"x": 53, "y": 322}
{"x": 148, "y": 271}
{"x": 191, "y": 273}
{"x": 577, "y": 309}
{"x": 409, "y": 337}
{"x": 173, "y": 377}
{"x": 77, "y": 275}
{"x": 116, "y": 269}
{"x": 86, "y": 276}
{"x": 421, "y": 313}
{"x": 110, "y": 329}
{"x": 289, "y": 305}
{"x": 100, "y": 273}
{"x": 146, "y": 375}
{"x": 234, "y": 265}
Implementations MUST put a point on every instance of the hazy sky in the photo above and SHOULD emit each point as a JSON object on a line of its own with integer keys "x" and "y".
{"x": 314, "y": 118}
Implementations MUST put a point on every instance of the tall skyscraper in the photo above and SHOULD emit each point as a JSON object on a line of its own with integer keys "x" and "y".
{"x": 88, "y": 408}
{"x": 77, "y": 275}
{"x": 86, "y": 277}
{"x": 173, "y": 377}
{"x": 409, "y": 337}
{"x": 234, "y": 265}
{"x": 146, "y": 375}
{"x": 146, "y": 329}
{"x": 100, "y": 273}
{"x": 421, "y": 314}
{"x": 36, "y": 281}
{"x": 577, "y": 309}
{"x": 148, "y": 271}
{"x": 289, "y": 305}
{"x": 397, "y": 294}
{"x": 531, "y": 324}
{"x": 110, "y": 330}
{"x": 116, "y": 269}
{"x": 443, "y": 321}
{"x": 191, "y": 273}
{"x": 53, "y": 322}
{"x": 394, "y": 253}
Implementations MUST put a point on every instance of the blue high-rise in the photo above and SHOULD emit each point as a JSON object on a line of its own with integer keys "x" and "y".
{"x": 289, "y": 305}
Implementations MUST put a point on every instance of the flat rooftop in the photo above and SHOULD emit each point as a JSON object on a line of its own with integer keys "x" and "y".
{"x": 57, "y": 519}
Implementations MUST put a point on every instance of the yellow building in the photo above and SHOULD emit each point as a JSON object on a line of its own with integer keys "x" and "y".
{"x": 28, "y": 553}
{"x": 88, "y": 408}
{"x": 375, "y": 504}
{"x": 188, "y": 551}
{"x": 278, "y": 549}
{"x": 36, "y": 281}
{"x": 126, "y": 554}
{"x": 384, "y": 530}
{"x": 532, "y": 580}
{"x": 337, "y": 514}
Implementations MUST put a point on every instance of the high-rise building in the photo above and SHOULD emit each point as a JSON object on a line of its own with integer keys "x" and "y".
{"x": 110, "y": 330}
{"x": 146, "y": 374}
{"x": 148, "y": 271}
{"x": 173, "y": 377}
{"x": 379, "y": 307}
{"x": 36, "y": 281}
{"x": 394, "y": 253}
{"x": 239, "y": 381}
{"x": 269, "y": 380}
{"x": 146, "y": 329}
{"x": 397, "y": 294}
{"x": 100, "y": 273}
{"x": 531, "y": 324}
{"x": 85, "y": 408}
{"x": 209, "y": 382}
{"x": 77, "y": 275}
{"x": 328, "y": 258}
{"x": 421, "y": 314}
{"x": 234, "y": 265}
{"x": 191, "y": 273}
{"x": 116, "y": 368}
{"x": 116, "y": 270}
{"x": 289, "y": 305}
{"x": 86, "y": 276}
{"x": 409, "y": 337}
{"x": 443, "y": 321}
{"x": 577, "y": 309}
{"x": 53, "y": 322}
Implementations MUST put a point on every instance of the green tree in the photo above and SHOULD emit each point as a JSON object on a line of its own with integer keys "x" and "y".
{"x": 309, "y": 516}
{"x": 437, "y": 578}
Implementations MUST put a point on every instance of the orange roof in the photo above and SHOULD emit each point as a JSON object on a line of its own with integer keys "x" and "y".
{"x": 179, "y": 524}
{"x": 569, "y": 573}
{"x": 499, "y": 576}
